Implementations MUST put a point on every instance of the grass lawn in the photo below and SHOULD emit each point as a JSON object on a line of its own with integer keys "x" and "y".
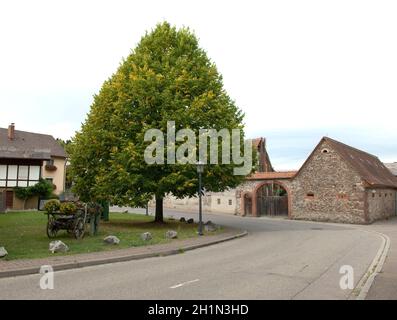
{"x": 23, "y": 234}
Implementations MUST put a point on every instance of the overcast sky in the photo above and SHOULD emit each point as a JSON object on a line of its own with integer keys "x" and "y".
{"x": 298, "y": 69}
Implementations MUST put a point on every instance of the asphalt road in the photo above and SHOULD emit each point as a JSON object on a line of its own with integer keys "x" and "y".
{"x": 279, "y": 259}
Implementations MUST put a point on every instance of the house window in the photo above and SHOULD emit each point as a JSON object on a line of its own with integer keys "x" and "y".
{"x": 23, "y": 183}
{"x": 230, "y": 202}
{"x": 3, "y": 175}
{"x": 325, "y": 151}
{"x": 23, "y": 173}
{"x": 34, "y": 173}
{"x": 3, "y": 172}
{"x": 11, "y": 183}
{"x": 218, "y": 201}
{"x": 50, "y": 162}
{"x": 12, "y": 172}
{"x": 19, "y": 175}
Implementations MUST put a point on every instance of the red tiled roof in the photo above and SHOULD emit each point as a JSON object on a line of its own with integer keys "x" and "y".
{"x": 272, "y": 175}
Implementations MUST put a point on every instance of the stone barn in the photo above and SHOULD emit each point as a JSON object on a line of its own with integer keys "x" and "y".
{"x": 339, "y": 183}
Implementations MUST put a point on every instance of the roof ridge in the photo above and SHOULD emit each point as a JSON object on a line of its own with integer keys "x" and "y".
{"x": 22, "y": 131}
{"x": 350, "y": 147}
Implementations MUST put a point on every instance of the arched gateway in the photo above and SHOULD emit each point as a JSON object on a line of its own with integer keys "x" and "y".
{"x": 267, "y": 194}
{"x": 271, "y": 199}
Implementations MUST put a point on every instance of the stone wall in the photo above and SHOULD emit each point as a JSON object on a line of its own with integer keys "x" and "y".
{"x": 188, "y": 204}
{"x": 381, "y": 204}
{"x": 328, "y": 189}
{"x": 225, "y": 202}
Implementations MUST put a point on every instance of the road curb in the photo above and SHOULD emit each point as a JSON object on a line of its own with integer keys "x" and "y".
{"x": 360, "y": 292}
{"x": 125, "y": 258}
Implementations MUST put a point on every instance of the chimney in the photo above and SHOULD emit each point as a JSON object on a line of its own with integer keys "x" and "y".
{"x": 11, "y": 131}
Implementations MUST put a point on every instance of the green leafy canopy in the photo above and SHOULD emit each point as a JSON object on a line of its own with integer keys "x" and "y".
{"x": 167, "y": 77}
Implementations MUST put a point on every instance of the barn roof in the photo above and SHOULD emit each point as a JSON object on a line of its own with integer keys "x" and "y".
{"x": 256, "y": 142}
{"x": 392, "y": 167}
{"x": 368, "y": 166}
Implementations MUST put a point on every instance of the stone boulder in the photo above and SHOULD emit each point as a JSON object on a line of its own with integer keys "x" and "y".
{"x": 182, "y": 219}
{"x": 171, "y": 234}
{"x": 146, "y": 236}
{"x": 210, "y": 227}
{"x": 58, "y": 246}
{"x": 190, "y": 221}
{"x": 111, "y": 240}
{"x": 3, "y": 252}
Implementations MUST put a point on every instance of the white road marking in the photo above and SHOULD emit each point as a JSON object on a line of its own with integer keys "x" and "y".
{"x": 184, "y": 283}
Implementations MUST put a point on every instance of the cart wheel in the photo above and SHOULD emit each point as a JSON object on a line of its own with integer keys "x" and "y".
{"x": 51, "y": 229}
{"x": 79, "y": 229}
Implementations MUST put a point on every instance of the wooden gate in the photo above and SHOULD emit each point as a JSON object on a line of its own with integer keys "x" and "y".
{"x": 272, "y": 205}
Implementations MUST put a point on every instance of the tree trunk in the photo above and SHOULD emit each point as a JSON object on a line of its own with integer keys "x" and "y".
{"x": 159, "y": 210}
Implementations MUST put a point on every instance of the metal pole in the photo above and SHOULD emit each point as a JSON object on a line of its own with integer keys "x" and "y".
{"x": 200, "y": 231}
{"x": 147, "y": 208}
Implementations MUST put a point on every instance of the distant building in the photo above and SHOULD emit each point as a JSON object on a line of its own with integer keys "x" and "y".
{"x": 227, "y": 201}
{"x": 25, "y": 158}
{"x": 392, "y": 167}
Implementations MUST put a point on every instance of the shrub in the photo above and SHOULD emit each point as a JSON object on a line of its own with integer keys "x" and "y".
{"x": 42, "y": 189}
{"x": 52, "y": 206}
{"x": 68, "y": 208}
